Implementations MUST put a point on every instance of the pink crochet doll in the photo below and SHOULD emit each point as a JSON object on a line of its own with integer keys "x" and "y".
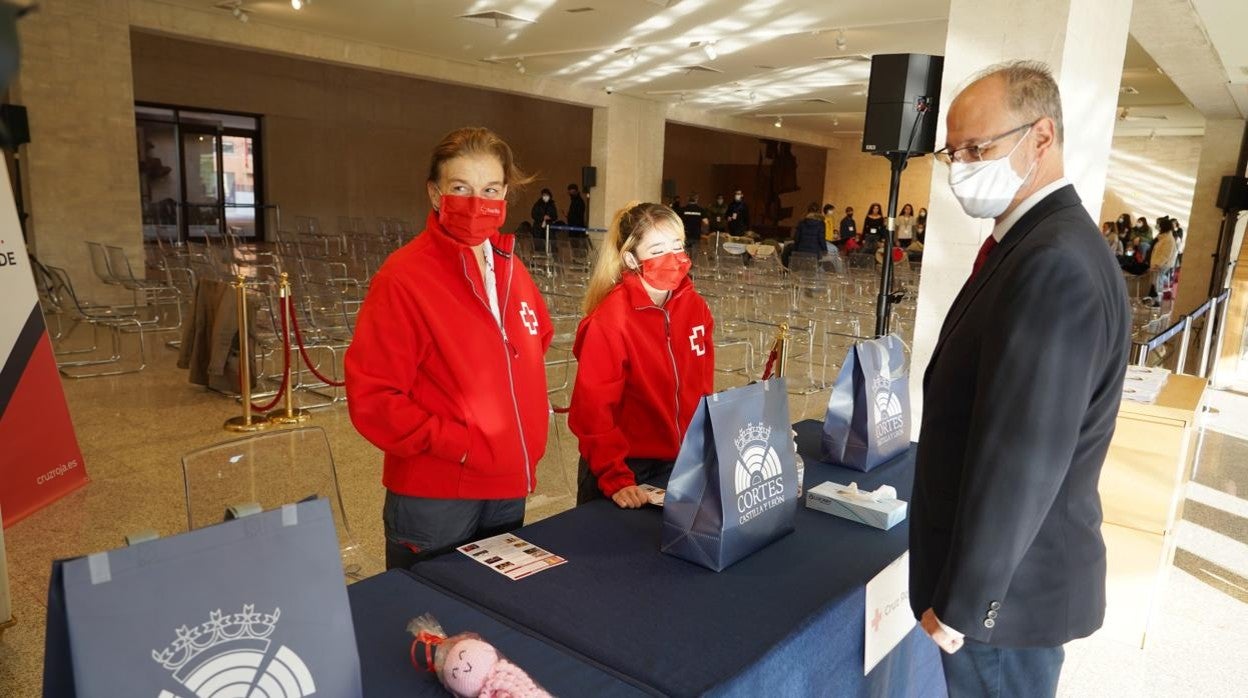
{"x": 468, "y": 666}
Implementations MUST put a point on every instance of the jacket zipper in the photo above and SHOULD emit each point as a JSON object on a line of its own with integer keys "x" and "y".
{"x": 508, "y": 348}
{"x": 667, "y": 330}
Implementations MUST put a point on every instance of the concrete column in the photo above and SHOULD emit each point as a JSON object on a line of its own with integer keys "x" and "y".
{"x": 1232, "y": 366}
{"x": 1219, "y": 155}
{"x": 1084, "y": 43}
{"x": 628, "y": 152}
{"x": 80, "y": 169}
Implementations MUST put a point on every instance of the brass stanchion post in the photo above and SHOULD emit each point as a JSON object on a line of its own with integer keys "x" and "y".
{"x": 782, "y": 351}
{"x": 290, "y": 414}
{"x": 248, "y": 422}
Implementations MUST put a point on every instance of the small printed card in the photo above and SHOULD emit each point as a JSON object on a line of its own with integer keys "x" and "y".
{"x": 510, "y": 556}
{"x": 654, "y": 494}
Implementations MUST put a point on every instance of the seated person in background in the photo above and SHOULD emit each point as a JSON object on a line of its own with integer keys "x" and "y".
{"x": 1109, "y": 230}
{"x": 848, "y": 228}
{"x": 647, "y": 338}
{"x": 1142, "y": 230}
{"x": 1135, "y": 261}
{"x": 855, "y": 244}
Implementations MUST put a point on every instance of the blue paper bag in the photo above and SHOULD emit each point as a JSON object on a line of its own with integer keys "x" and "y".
{"x": 250, "y": 607}
{"x": 733, "y": 489}
{"x": 868, "y": 418}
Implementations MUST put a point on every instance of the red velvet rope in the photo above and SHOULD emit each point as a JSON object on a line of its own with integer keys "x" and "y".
{"x": 281, "y": 391}
{"x": 294, "y": 319}
{"x": 771, "y": 363}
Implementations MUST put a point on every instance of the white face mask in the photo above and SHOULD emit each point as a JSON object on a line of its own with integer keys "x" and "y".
{"x": 986, "y": 188}
{"x": 738, "y": 197}
{"x": 545, "y": 197}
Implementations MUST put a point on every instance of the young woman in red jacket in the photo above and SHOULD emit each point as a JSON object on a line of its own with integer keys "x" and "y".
{"x": 446, "y": 372}
{"x": 645, "y": 355}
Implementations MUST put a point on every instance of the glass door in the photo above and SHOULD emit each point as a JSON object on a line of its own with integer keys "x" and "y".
{"x": 238, "y": 184}
{"x": 201, "y": 171}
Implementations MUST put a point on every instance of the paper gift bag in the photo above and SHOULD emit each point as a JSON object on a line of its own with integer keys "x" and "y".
{"x": 733, "y": 489}
{"x": 251, "y": 607}
{"x": 868, "y": 418}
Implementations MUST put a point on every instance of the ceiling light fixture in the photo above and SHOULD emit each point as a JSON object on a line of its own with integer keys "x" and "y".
{"x": 841, "y": 41}
{"x": 634, "y": 56}
{"x": 779, "y": 122}
{"x": 520, "y": 66}
{"x": 708, "y": 47}
{"x": 753, "y": 97}
{"x": 836, "y": 121}
{"x": 297, "y": 4}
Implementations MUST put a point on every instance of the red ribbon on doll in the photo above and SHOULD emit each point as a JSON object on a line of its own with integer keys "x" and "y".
{"x": 430, "y": 641}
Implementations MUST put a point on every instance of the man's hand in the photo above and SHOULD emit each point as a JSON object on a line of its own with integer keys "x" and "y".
{"x": 949, "y": 642}
{"x": 630, "y": 498}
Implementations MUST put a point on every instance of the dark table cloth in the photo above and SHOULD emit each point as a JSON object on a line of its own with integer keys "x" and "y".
{"x": 788, "y": 620}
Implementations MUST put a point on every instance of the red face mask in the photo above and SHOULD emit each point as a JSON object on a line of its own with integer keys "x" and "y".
{"x": 666, "y": 271}
{"x": 471, "y": 220}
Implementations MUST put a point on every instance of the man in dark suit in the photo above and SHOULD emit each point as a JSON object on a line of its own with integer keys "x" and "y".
{"x": 1006, "y": 558}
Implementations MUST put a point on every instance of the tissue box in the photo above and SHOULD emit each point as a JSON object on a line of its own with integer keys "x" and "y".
{"x": 828, "y": 499}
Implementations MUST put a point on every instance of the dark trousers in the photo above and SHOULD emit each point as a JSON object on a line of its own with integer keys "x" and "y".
{"x": 655, "y": 472}
{"x": 418, "y": 528}
{"x": 983, "y": 671}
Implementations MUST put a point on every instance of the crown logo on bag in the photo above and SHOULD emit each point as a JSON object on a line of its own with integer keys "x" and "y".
{"x": 234, "y": 645}
{"x": 752, "y": 433}
{"x": 220, "y": 628}
{"x": 882, "y": 383}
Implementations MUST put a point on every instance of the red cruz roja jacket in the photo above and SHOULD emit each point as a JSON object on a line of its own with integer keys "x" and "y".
{"x": 457, "y": 403}
{"x": 641, "y": 371}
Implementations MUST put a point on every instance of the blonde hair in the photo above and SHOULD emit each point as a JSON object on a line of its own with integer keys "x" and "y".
{"x": 477, "y": 140}
{"x": 630, "y": 225}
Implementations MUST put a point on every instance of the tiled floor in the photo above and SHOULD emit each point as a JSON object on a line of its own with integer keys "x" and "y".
{"x": 133, "y": 430}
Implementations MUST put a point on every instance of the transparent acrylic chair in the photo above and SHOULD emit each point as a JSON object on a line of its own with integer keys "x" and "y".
{"x": 270, "y": 470}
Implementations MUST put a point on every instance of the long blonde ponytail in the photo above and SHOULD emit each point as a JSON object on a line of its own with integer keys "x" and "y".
{"x": 627, "y": 229}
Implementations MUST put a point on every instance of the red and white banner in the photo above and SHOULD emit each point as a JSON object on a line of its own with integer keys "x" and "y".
{"x": 39, "y": 456}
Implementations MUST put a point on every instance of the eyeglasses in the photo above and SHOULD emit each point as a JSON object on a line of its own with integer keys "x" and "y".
{"x": 974, "y": 153}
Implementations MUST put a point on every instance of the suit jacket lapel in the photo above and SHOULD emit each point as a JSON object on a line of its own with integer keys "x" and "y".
{"x": 1062, "y": 198}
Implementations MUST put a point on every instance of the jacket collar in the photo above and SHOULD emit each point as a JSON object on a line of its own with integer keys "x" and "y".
{"x": 639, "y": 299}
{"x": 1060, "y": 199}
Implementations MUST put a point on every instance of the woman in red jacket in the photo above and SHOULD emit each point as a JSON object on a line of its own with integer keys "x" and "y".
{"x": 645, "y": 357}
{"x": 446, "y": 371}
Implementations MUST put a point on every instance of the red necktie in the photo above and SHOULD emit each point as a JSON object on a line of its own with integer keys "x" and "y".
{"x": 982, "y": 257}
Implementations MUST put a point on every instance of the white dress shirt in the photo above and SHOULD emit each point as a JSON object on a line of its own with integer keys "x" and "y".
{"x": 1003, "y": 225}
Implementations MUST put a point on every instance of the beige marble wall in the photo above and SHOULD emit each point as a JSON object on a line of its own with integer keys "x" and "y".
{"x": 80, "y": 169}
{"x": 858, "y": 179}
{"x": 1152, "y": 177}
{"x": 1218, "y": 157}
{"x": 1084, "y": 43}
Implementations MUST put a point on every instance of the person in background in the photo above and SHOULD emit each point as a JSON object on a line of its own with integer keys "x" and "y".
{"x": 856, "y": 244}
{"x": 717, "y": 215}
{"x": 446, "y": 373}
{"x": 693, "y": 216}
{"x": 1180, "y": 241}
{"x": 809, "y": 235}
{"x": 677, "y": 205}
{"x": 1007, "y": 560}
{"x": 905, "y": 226}
{"x": 1142, "y": 230}
{"x": 873, "y": 226}
{"x": 848, "y": 229}
{"x": 646, "y": 354}
{"x": 738, "y": 214}
{"x": 544, "y": 212}
{"x": 1109, "y": 231}
{"x": 1161, "y": 261}
{"x": 576, "y": 210}
{"x": 829, "y": 225}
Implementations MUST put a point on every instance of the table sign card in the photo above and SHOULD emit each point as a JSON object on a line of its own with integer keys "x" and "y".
{"x": 888, "y": 615}
{"x": 510, "y": 556}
